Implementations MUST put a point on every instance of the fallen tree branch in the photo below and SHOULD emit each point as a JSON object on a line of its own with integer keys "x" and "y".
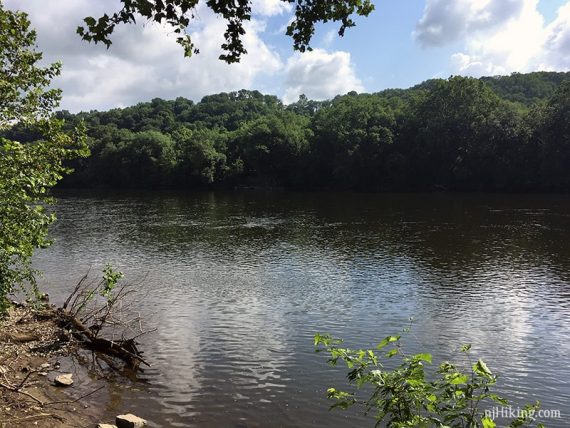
{"x": 94, "y": 310}
{"x": 126, "y": 350}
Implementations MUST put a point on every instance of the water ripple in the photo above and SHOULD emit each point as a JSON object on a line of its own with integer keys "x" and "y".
{"x": 241, "y": 282}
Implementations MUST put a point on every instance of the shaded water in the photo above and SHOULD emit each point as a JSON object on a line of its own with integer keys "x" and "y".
{"x": 240, "y": 282}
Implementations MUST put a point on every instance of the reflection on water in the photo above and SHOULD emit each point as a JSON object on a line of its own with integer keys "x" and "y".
{"x": 241, "y": 281}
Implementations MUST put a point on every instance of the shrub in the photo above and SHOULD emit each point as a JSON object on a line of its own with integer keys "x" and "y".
{"x": 407, "y": 396}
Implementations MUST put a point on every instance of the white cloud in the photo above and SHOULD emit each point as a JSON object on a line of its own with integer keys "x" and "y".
{"x": 512, "y": 47}
{"x": 557, "y": 42}
{"x": 329, "y": 37}
{"x": 144, "y": 60}
{"x": 270, "y": 7}
{"x": 320, "y": 75}
{"x": 498, "y": 36}
{"x": 445, "y": 21}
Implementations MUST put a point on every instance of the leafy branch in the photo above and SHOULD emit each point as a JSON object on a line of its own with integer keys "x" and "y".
{"x": 407, "y": 396}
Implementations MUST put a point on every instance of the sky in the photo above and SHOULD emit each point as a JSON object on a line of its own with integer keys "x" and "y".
{"x": 402, "y": 43}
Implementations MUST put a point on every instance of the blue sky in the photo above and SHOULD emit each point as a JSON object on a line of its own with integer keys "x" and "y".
{"x": 402, "y": 43}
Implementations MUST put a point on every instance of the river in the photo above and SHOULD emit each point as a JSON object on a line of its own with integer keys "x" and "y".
{"x": 238, "y": 283}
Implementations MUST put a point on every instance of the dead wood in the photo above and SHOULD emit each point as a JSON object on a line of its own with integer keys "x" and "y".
{"x": 98, "y": 313}
{"x": 125, "y": 350}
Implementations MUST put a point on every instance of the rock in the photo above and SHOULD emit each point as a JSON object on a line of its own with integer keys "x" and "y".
{"x": 64, "y": 380}
{"x": 106, "y": 426}
{"x": 42, "y": 374}
{"x": 45, "y": 366}
{"x": 129, "y": 421}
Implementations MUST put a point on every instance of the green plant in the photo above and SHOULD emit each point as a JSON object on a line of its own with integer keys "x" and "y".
{"x": 110, "y": 279}
{"x": 83, "y": 296}
{"x": 27, "y": 171}
{"x": 406, "y": 395}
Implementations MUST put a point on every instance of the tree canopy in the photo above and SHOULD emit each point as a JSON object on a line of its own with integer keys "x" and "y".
{"x": 180, "y": 14}
{"x": 453, "y": 134}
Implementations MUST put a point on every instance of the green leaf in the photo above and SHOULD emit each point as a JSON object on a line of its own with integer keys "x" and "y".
{"x": 481, "y": 368}
{"x": 498, "y": 399}
{"x": 387, "y": 340}
{"x": 90, "y": 21}
{"x": 392, "y": 353}
{"x": 458, "y": 379}
{"x": 487, "y": 422}
{"x": 423, "y": 357}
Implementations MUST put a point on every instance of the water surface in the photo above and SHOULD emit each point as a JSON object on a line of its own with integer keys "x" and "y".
{"x": 238, "y": 284}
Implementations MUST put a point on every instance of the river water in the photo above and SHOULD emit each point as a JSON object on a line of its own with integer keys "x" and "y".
{"x": 238, "y": 283}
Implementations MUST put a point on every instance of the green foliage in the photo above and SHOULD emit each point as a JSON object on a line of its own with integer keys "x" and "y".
{"x": 308, "y": 13}
{"x": 88, "y": 298}
{"x": 351, "y": 136}
{"x": 110, "y": 279}
{"x": 24, "y": 93}
{"x": 527, "y": 89}
{"x": 462, "y": 130}
{"x": 552, "y": 136}
{"x": 401, "y": 391}
{"x": 27, "y": 171}
{"x": 179, "y": 14}
{"x": 455, "y": 134}
{"x": 201, "y": 157}
{"x": 273, "y": 147}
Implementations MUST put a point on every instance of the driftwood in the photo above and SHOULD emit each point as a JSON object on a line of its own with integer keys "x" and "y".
{"x": 95, "y": 308}
{"x": 125, "y": 350}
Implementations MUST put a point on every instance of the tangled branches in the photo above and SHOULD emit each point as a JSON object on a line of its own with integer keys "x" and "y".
{"x": 99, "y": 314}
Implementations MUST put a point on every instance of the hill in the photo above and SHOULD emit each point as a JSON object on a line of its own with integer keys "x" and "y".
{"x": 505, "y": 133}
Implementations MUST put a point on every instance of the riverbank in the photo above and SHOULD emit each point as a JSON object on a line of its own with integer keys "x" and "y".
{"x": 33, "y": 350}
{"x": 45, "y": 378}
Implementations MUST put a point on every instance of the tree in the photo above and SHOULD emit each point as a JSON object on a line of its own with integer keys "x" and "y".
{"x": 27, "y": 171}
{"x": 273, "y": 147}
{"x": 443, "y": 134}
{"x": 456, "y": 125}
{"x": 180, "y": 13}
{"x": 553, "y": 136}
{"x": 351, "y": 136}
{"x": 201, "y": 155}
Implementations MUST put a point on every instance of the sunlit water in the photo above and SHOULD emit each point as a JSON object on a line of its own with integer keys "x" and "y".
{"x": 238, "y": 284}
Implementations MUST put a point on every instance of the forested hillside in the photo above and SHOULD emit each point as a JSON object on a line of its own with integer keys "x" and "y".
{"x": 527, "y": 88}
{"x": 509, "y": 133}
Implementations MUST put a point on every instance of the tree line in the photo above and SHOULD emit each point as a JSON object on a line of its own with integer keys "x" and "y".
{"x": 509, "y": 133}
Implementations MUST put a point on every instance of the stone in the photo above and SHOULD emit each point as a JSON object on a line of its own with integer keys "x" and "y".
{"x": 106, "y": 426}
{"x": 45, "y": 366}
{"x": 64, "y": 379}
{"x": 129, "y": 421}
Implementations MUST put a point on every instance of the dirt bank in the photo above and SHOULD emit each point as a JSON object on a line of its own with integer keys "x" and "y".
{"x": 33, "y": 350}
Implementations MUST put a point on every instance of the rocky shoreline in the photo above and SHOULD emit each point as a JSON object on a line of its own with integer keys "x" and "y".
{"x": 36, "y": 388}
